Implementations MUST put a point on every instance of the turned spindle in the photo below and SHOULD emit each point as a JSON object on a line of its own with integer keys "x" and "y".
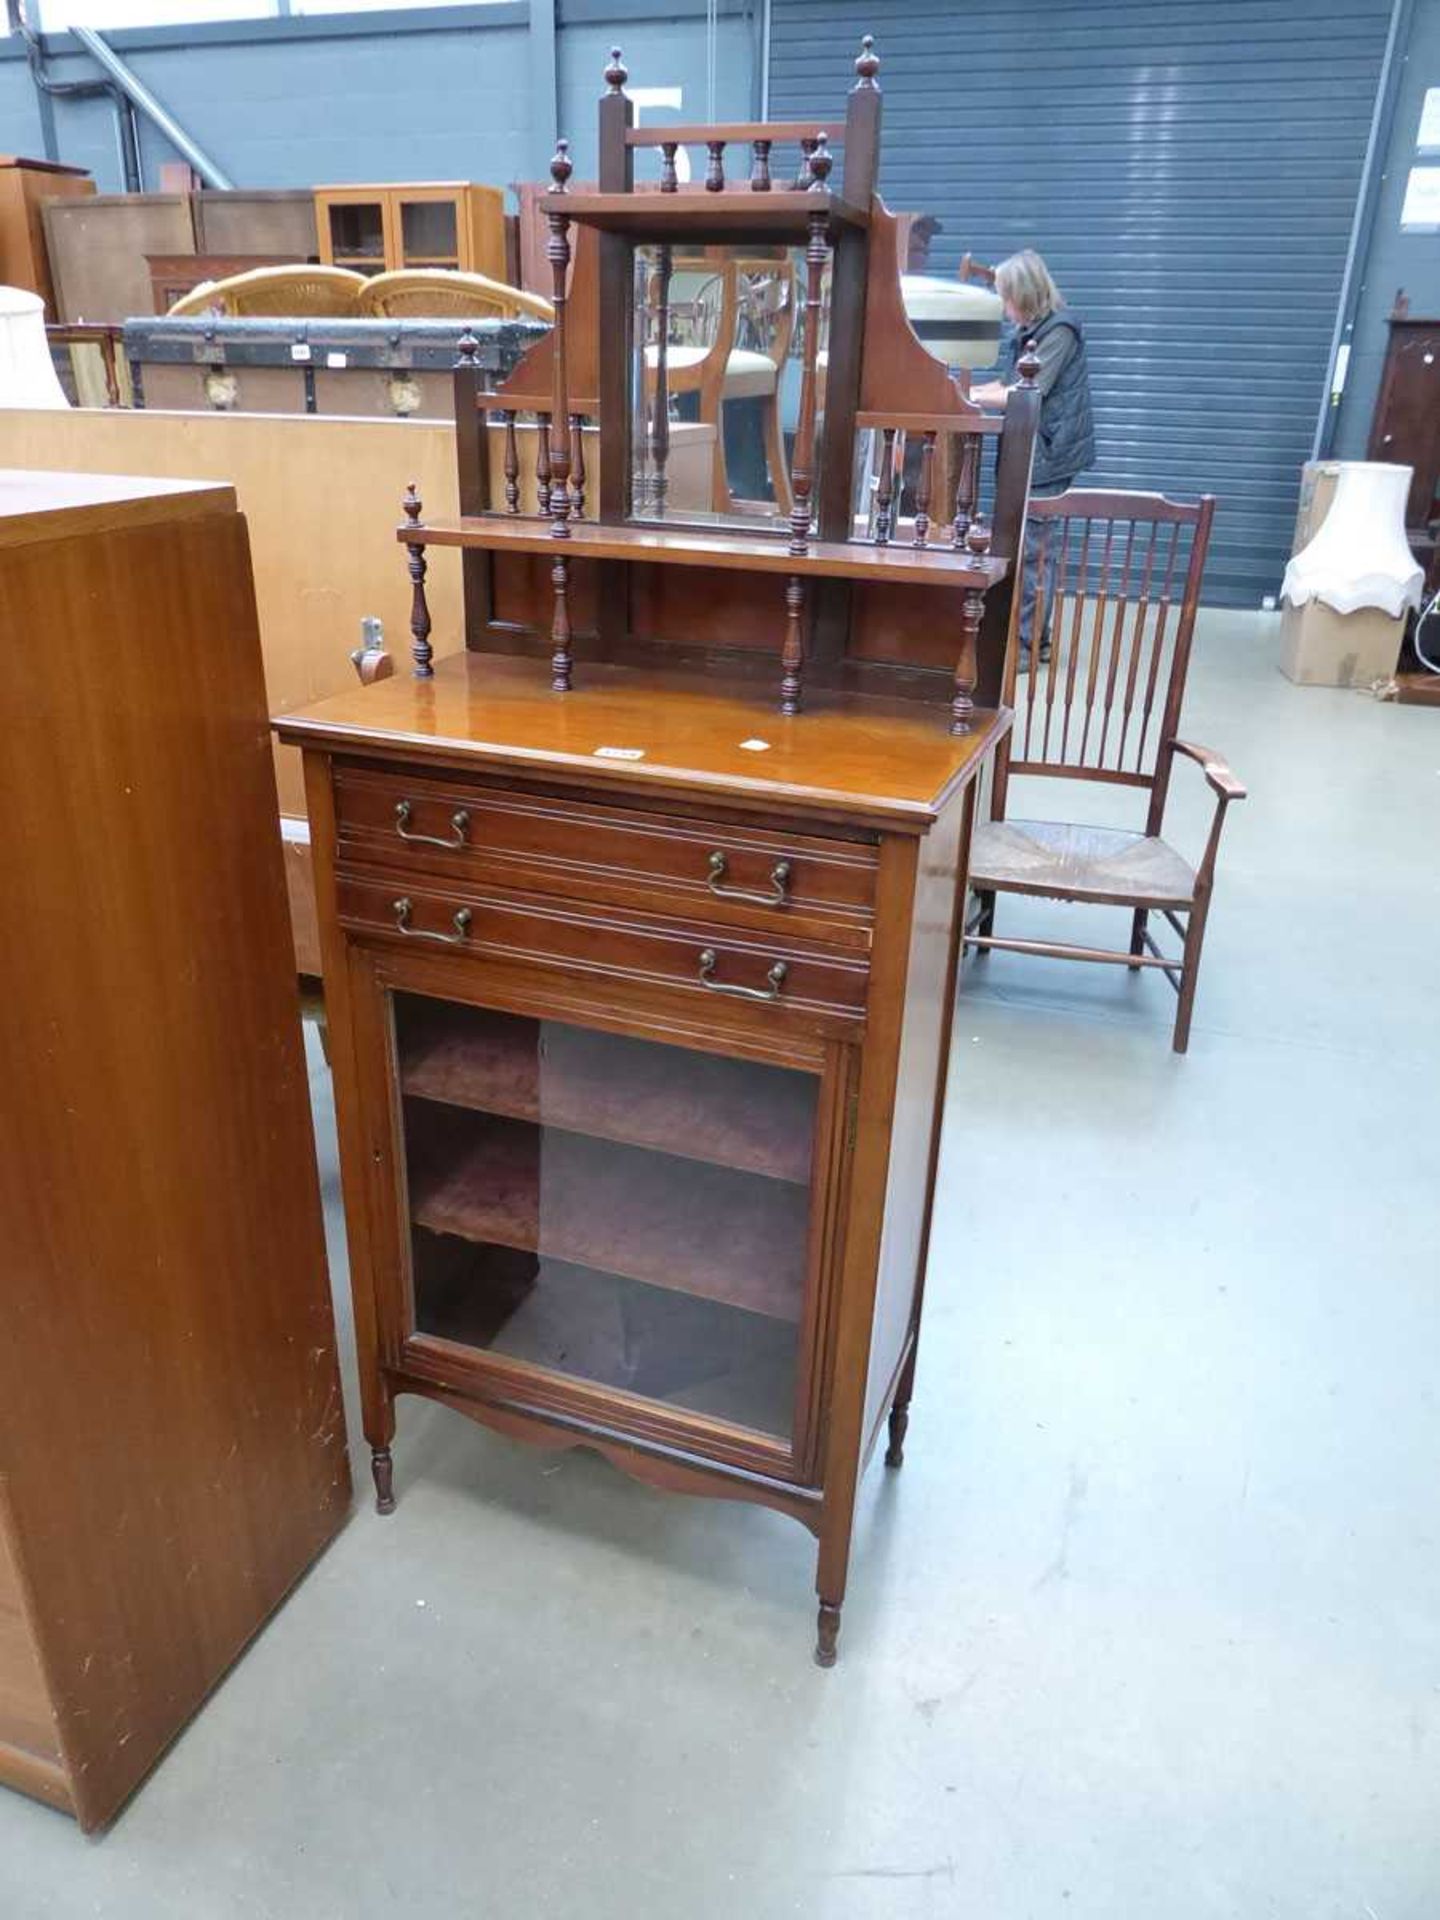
{"x": 560, "y": 661}
{"x": 467, "y": 349}
{"x": 421, "y": 651}
{"x": 512, "y": 464}
{"x": 577, "y": 465}
{"x": 1028, "y": 365}
{"x": 867, "y": 62}
{"x": 660, "y": 406}
{"x": 669, "y": 178}
{"x": 558, "y": 254}
{"x": 965, "y": 486}
{"x": 922, "y": 488}
{"x": 802, "y": 172}
{"x": 760, "y": 166}
{"x": 972, "y": 611}
{"x": 542, "y": 463}
{"x": 885, "y": 491}
{"x": 715, "y": 171}
{"x": 817, "y": 254}
{"x": 792, "y": 657}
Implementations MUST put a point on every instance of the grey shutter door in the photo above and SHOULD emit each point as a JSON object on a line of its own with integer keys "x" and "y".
{"x": 1189, "y": 169}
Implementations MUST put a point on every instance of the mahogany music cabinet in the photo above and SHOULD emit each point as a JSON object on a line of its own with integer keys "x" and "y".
{"x": 639, "y": 963}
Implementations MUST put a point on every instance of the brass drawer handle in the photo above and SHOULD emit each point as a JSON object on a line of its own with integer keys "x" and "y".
{"x": 779, "y": 883}
{"x": 463, "y": 917}
{"x": 459, "y": 827}
{"x": 776, "y": 977}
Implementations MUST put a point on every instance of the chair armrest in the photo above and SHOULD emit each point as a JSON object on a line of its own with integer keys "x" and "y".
{"x": 1213, "y": 767}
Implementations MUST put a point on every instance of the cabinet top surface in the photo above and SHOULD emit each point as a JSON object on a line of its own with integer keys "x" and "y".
{"x": 44, "y": 506}
{"x": 638, "y": 731}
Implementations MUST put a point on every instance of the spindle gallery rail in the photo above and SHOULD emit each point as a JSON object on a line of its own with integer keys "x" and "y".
{"x": 875, "y": 383}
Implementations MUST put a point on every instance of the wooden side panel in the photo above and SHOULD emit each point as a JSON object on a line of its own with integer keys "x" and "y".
{"x": 922, "y": 1048}
{"x": 316, "y": 571}
{"x": 26, "y": 1721}
{"x": 170, "y": 1418}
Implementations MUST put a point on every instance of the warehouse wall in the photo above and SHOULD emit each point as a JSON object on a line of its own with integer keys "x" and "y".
{"x": 1393, "y": 259}
{"x": 457, "y": 93}
{"x": 1191, "y": 170}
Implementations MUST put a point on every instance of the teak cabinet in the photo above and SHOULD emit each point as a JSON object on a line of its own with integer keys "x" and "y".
{"x": 639, "y": 1035}
{"x": 441, "y": 224}
{"x": 172, "y": 1447}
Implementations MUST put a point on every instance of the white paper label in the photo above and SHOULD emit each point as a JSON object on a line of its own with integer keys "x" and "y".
{"x": 1428, "y": 138}
{"x": 300, "y": 351}
{"x": 336, "y": 360}
{"x": 619, "y": 753}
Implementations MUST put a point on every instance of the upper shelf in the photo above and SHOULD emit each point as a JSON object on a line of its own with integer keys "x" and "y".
{"x": 692, "y": 214}
{"x": 931, "y": 566}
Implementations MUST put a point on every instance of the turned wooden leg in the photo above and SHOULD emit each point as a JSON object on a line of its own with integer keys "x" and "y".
{"x": 899, "y": 1425}
{"x": 1137, "y": 934}
{"x": 827, "y": 1632}
{"x": 383, "y": 1468}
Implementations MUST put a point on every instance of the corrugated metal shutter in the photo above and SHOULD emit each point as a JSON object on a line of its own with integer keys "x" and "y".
{"x": 1188, "y": 168}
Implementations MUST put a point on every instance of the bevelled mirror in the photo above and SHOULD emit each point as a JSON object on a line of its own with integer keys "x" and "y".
{"x": 715, "y": 384}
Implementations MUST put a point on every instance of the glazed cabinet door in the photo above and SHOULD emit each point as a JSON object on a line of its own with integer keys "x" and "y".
{"x": 589, "y": 1214}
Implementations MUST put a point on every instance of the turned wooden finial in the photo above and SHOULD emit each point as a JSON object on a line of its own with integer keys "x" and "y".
{"x": 1028, "y": 365}
{"x": 977, "y": 538}
{"x": 821, "y": 161}
{"x": 421, "y": 651}
{"x": 616, "y": 74}
{"x": 867, "y": 63}
{"x": 467, "y": 348}
{"x": 561, "y": 167}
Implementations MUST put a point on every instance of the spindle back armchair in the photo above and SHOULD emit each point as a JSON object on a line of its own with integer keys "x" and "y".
{"x": 1117, "y": 587}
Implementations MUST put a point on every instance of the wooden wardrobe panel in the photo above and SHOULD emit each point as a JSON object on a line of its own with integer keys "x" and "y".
{"x": 171, "y": 1429}
{"x": 26, "y": 1720}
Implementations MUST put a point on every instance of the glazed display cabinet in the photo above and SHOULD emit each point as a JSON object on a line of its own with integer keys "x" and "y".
{"x": 640, "y": 915}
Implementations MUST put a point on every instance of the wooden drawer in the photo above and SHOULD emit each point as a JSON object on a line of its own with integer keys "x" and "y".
{"x": 666, "y": 863}
{"x": 775, "y": 970}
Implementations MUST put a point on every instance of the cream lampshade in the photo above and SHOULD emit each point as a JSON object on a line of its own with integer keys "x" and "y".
{"x": 1360, "y": 557}
{"x": 27, "y": 373}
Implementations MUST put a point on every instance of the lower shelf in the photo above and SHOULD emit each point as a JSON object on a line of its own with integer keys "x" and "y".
{"x": 603, "y": 1328}
{"x": 723, "y": 1235}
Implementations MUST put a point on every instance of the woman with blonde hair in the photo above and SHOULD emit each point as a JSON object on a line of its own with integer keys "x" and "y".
{"x": 1065, "y": 443}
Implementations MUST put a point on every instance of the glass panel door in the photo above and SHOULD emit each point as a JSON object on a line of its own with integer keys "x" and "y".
{"x": 429, "y": 233}
{"x": 624, "y": 1212}
{"x": 357, "y": 234}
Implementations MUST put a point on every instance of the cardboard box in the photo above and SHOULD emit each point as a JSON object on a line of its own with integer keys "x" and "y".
{"x": 1322, "y": 648}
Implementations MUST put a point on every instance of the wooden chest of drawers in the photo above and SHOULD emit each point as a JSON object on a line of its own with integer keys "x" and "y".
{"x": 639, "y": 1056}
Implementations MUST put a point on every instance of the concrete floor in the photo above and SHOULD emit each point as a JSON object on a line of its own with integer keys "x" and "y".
{"x": 1148, "y": 1627}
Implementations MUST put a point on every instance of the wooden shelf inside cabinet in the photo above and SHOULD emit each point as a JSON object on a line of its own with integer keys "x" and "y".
{"x": 709, "y": 1231}
{"x": 932, "y": 566}
{"x": 717, "y": 1361}
{"x": 695, "y": 215}
{"x": 731, "y": 1113}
